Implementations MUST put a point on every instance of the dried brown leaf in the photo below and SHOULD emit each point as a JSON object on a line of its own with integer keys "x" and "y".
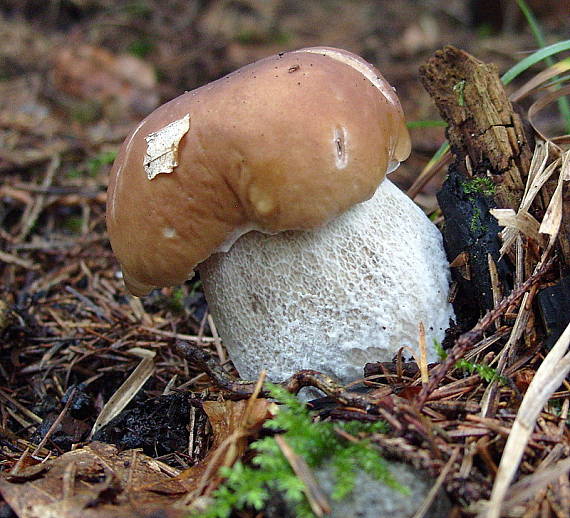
{"x": 231, "y": 426}
{"x": 96, "y": 481}
{"x": 523, "y": 221}
{"x": 539, "y": 79}
{"x": 125, "y": 393}
{"x": 553, "y": 216}
{"x": 542, "y": 102}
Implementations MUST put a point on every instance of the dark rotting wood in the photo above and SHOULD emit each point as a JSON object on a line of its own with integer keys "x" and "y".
{"x": 491, "y": 160}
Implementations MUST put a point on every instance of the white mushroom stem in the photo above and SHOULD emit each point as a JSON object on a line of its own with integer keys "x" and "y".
{"x": 335, "y": 298}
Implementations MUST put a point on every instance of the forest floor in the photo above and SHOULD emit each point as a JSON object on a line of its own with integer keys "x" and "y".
{"x": 75, "y": 77}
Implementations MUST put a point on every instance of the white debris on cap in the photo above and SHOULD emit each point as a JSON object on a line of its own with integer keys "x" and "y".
{"x": 162, "y": 147}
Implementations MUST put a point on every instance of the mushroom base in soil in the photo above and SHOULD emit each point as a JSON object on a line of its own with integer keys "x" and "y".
{"x": 335, "y": 298}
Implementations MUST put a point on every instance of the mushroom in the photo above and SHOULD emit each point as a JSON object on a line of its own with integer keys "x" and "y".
{"x": 260, "y": 179}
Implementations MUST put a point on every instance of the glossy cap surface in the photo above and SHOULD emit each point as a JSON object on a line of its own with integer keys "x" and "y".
{"x": 286, "y": 143}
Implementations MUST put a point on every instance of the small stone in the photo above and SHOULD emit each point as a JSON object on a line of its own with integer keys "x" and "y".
{"x": 371, "y": 498}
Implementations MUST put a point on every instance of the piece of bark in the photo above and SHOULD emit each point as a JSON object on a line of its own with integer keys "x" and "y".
{"x": 481, "y": 121}
{"x": 491, "y": 160}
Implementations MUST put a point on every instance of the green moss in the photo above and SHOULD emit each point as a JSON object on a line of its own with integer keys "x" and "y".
{"x": 250, "y": 486}
{"x": 479, "y": 184}
{"x": 475, "y": 225}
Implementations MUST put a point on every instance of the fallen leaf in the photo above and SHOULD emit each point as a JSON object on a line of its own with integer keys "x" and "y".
{"x": 126, "y": 392}
{"x": 231, "y": 426}
{"x": 96, "y": 481}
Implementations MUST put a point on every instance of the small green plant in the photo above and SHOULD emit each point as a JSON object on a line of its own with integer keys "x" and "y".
{"x": 141, "y": 48}
{"x": 316, "y": 442}
{"x": 176, "y": 300}
{"x": 485, "y": 372}
{"x": 94, "y": 165}
{"x": 459, "y": 89}
{"x": 555, "y": 407}
{"x": 74, "y": 224}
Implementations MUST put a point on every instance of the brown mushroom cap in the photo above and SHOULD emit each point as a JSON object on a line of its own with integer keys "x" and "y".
{"x": 288, "y": 142}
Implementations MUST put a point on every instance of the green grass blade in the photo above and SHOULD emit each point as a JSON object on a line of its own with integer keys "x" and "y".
{"x": 563, "y": 104}
{"x": 444, "y": 148}
{"x": 533, "y": 59}
{"x": 532, "y": 23}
